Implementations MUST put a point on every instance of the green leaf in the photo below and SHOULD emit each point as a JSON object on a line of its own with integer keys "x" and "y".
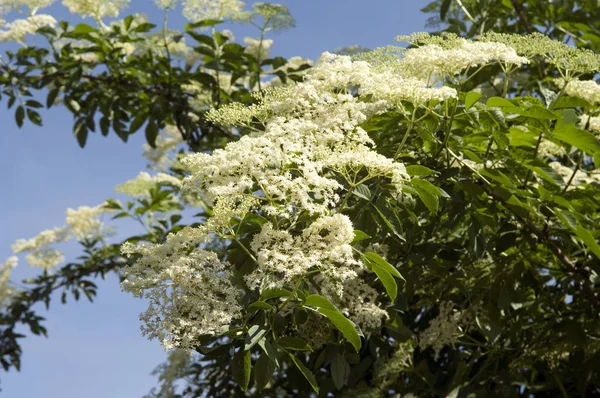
{"x": 580, "y": 139}
{"x": 498, "y": 102}
{"x": 241, "y": 368}
{"x": 386, "y": 221}
{"x": 203, "y": 23}
{"x": 343, "y": 324}
{"x": 340, "y": 370}
{"x": 151, "y": 133}
{"x": 104, "y": 125}
{"x": 319, "y": 301}
{"x": 127, "y": 22}
{"x": 144, "y": 27}
{"x": 274, "y": 293}
{"x": 567, "y": 219}
{"x": 34, "y": 117}
{"x": 81, "y": 133}
{"x": 571, "y": 102}
{"x": 293, "y": 343}
{"x": 306, "y": 373}
{"x": 428, "y": 187}
{"x": 204, "y": 39}
{"x": 20, "y": 115}
{"x": 589, "y": 240}
{"x": 263, "y": 371}
{"x": 376, "y": 259}
{"x": 471, "y": 98}
{"x": 388, "y": 281}
{"x": 536, "y": 112}
{"x": 443, "y": 11}
{"x": 416, "y": 170}
{"x": 362, "y": 191}
{"x": 139, "y": 120}
{"x": 84, "y": 28}
{"x": 261, "y": 305}
{"x": 359, "y": 236}
{"x": 430, "y": 201}
{"x": 547, "y": 173}
{"x": 51, "y": 98}
{"x": 255, "y": 333}
{"x": 269, "y": 351}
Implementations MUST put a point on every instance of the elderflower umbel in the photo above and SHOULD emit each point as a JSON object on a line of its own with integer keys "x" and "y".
{"x": 144, "y": 182}
{"x": 256, "y": 48}
{"x": 96, "y": 9}
{"x": 190, "y": 293}
{"x": 20, "y": 28}
{"x": 580, "y": 177}
{"x": 162, "y": 156}
{"x": 426, "y": 61}
{"x": 82, "y": 223}
{"x": 588, "y": 90}
{"x": 14, "y": 5}
{"x": 592, "y": 123}
{"x": 6, "y": 288}
{"x": 311, "y": 151}
{"x": 324, "y": 246}
{"x": 197, "y": 10}
{"x": 444, "y": 329}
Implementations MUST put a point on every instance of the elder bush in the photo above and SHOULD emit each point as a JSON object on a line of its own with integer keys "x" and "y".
{"x": 416, "y": 222}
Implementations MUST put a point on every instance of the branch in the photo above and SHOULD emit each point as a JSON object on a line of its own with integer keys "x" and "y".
{"x": 564, "y": 260}
{"x": 522, "y": 18}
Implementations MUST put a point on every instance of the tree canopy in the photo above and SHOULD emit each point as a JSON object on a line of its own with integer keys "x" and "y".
{"x": 413, "y": 221}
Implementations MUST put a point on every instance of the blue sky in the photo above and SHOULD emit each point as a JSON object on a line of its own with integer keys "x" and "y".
{"x": 96, "y": 350}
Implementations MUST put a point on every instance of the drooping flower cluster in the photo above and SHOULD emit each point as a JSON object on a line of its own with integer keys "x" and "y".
{"x": 189, "y": 290}
{"x": 258, "y": 49}
{"x": 197, "y": 10}
{"x": 575, "y": 177}
{"x": 19, "y": 29}
{"x": 454, "y": 56}
{"x": 83, "y": 223}
{"x": 96, "y": 9}
{"x": 309, "y": 157}
{"x": 568, "y": 60}
{"x": 14, "y": 5}
{"x": 6, "y": 288}
{"x": 446, "y": 328}
{"x": 144, "y": 182}
{"x": 588, "y": 90}
{"x": 323, "y": 246}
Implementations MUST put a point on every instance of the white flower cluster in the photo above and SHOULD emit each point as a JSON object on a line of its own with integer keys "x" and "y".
{"x": 580, "y": 177}
{"x": 324, "y": 247}
{"x": 19, "y": 29}
{"x": 432, "y": 60}
{"x": 82, "y": 223}
{"x": 189, "y": 290}
{"x": 144, "y": 182}
{"x": 169, "y": 373}
{"x": 588, "y": 90}
{"x": 6, "y": 288}
{"x": 15, "y": 5}
{"x": 445, "y": 329}
{"x": 163, "y": 155}
{"x": 593, "y": 123}
{"x": 166, "y": 3}
{"x": 97, "y": 9}
{"x": 196, "y": 10}
{"x": 298, "y": 167}
{"x": 549, "y": 149}
{"x": 256, "y": 48}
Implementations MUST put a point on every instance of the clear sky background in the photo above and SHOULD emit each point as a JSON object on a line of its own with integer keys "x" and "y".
{"x": 96, "y": 350}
